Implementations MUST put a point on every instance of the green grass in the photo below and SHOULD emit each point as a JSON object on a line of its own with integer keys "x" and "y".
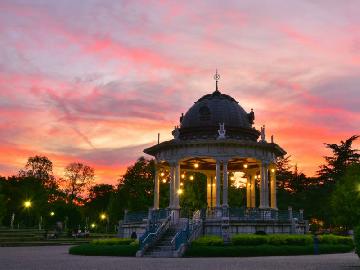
{"x": 104, "y": 250}
{"x": 262, "y": 250}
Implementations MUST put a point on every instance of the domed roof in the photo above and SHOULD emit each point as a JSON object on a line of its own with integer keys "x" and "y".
{"x": 203, "y": 118}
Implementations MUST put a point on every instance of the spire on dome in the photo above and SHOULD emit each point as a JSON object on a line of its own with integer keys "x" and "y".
{"x": 217, "y": 78}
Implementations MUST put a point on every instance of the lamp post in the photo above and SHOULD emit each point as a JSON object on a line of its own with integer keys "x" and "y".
{"x": 27, "y": 205}
{"x": 103, "y": 216}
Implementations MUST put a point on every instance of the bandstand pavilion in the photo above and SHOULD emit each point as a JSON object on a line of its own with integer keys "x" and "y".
{"x": 216, "y": 137}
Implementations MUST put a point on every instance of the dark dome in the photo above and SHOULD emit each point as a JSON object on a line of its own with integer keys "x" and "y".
{"x": 203, "y": 118}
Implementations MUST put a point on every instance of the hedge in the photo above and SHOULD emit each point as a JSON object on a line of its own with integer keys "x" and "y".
{"x": 262, "y": 250}
{"x": 273, "y": 239}
{"x": 112, "y": 241}
{"x": 335, "y": 240}
{"x": 208, "y": 240}
{"x": 104, "y": 250}
{"x": 357, "y": 240}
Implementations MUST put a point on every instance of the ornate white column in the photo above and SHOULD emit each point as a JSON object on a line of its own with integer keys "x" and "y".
{"x": 157, "y": 187}
{"x": 225, "y": 184}
{"x": 210, "y": 190}
{"x": 253, "y": 189}
{"x": 218, "y": 183}
{"x": 264, "y": 184}
{"x": 218, "y": 211}
{"x": 248, "y": 190}
{"x": 172, "y": 185}
{"x": 273, "y": 201}
{"x": 177, "y": 185}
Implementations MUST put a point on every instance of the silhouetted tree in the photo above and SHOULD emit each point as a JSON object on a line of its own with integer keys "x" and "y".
{"x": 77, "y": 178}
{"x": 343, "y": 156}
{"x": 41, "y": 168}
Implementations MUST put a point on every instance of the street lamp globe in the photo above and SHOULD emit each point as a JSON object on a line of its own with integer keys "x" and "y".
{"x": 27, "y": 204}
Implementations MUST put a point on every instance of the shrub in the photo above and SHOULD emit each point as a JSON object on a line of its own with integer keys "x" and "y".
{"x": 208, "y": 240}
{"x": 357, "y": 240}
{"x": 104, "y": 250}
{"x": 249, "y": 239}
{"x": 112, "y": 241}
{"x": 290, "y": 239}
{"x": 335, "y": 240}
{"x": 261, "y": 250}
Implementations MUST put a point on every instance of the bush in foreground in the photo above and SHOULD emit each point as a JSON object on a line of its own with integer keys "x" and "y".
{"x": 104, "y": 250}
{"x": 273, "y": 239}
{"x": 357, "y": 240}
{"x": 335, "y": 240}
{"x": 112, "y": 241}
{"x": 208, "y": 240}
{"x": 262, "y": 250}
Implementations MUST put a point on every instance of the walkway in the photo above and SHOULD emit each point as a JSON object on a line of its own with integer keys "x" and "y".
{"x": 56, "y": 257}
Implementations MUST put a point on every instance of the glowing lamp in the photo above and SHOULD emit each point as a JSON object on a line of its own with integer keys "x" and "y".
{"x": 245, "y": 166}
{"x": 162, "y": 174}
{"x": 272, "y": 170}
{"x": 102, "y": 216}
{"x": 180, "y": 191}
{"x": 196, "y": 165}
{"x": 164, "y": 180}
{"x": 191, "y": 177}
{"x": 27, "y": 204}
{"x": 52, "y": 213}
{"x": 93, "y": 225}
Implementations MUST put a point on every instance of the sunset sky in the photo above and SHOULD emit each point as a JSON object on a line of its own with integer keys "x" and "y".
{"x": 95, "y": 81}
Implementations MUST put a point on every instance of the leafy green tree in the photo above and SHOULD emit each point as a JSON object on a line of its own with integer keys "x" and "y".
{"x": 98, "y": 200}
{"x": 194, "y": 195}
{"x": 345, "y": 200}
{"x": 137, "y": 185}
{"x": 16, "y": 191}
{"x": 2, "y": 201}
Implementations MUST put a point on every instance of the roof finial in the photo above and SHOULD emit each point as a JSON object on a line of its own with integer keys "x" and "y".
{"x": 217, "y": 78}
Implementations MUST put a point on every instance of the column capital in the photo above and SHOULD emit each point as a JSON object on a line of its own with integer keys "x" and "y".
{"x": 173, "y": 162}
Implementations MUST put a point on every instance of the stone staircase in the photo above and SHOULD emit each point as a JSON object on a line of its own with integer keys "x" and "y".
{"x": 163, "y": 247}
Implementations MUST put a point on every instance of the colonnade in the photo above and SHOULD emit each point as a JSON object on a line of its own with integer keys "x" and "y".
{"x": 267, "y": 185}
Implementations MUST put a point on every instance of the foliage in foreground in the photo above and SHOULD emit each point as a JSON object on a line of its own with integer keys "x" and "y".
{"x": 208, "y": 240}
{"x": 112, "y": 241}
{"x": 357, "y": 240}
{"x": 262, "y": 250}
{"x": 104, "y": 250}
{"x": 273, "y": 239}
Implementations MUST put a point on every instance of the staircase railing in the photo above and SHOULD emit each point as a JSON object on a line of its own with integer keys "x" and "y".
{"x": 151, "y": 236}
{"x": 190, "y": 231}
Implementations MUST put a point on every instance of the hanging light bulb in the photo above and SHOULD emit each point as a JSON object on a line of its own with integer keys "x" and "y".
{"x": 164, "y": 180}
{"x": 191, "y": 177}
{"x": 162, "y": 173}
{"x": 181, "y": 184}
{"x": 245, "y": 166}
{"x": 196, "y": 165}
{"x": 183, "y": 176}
